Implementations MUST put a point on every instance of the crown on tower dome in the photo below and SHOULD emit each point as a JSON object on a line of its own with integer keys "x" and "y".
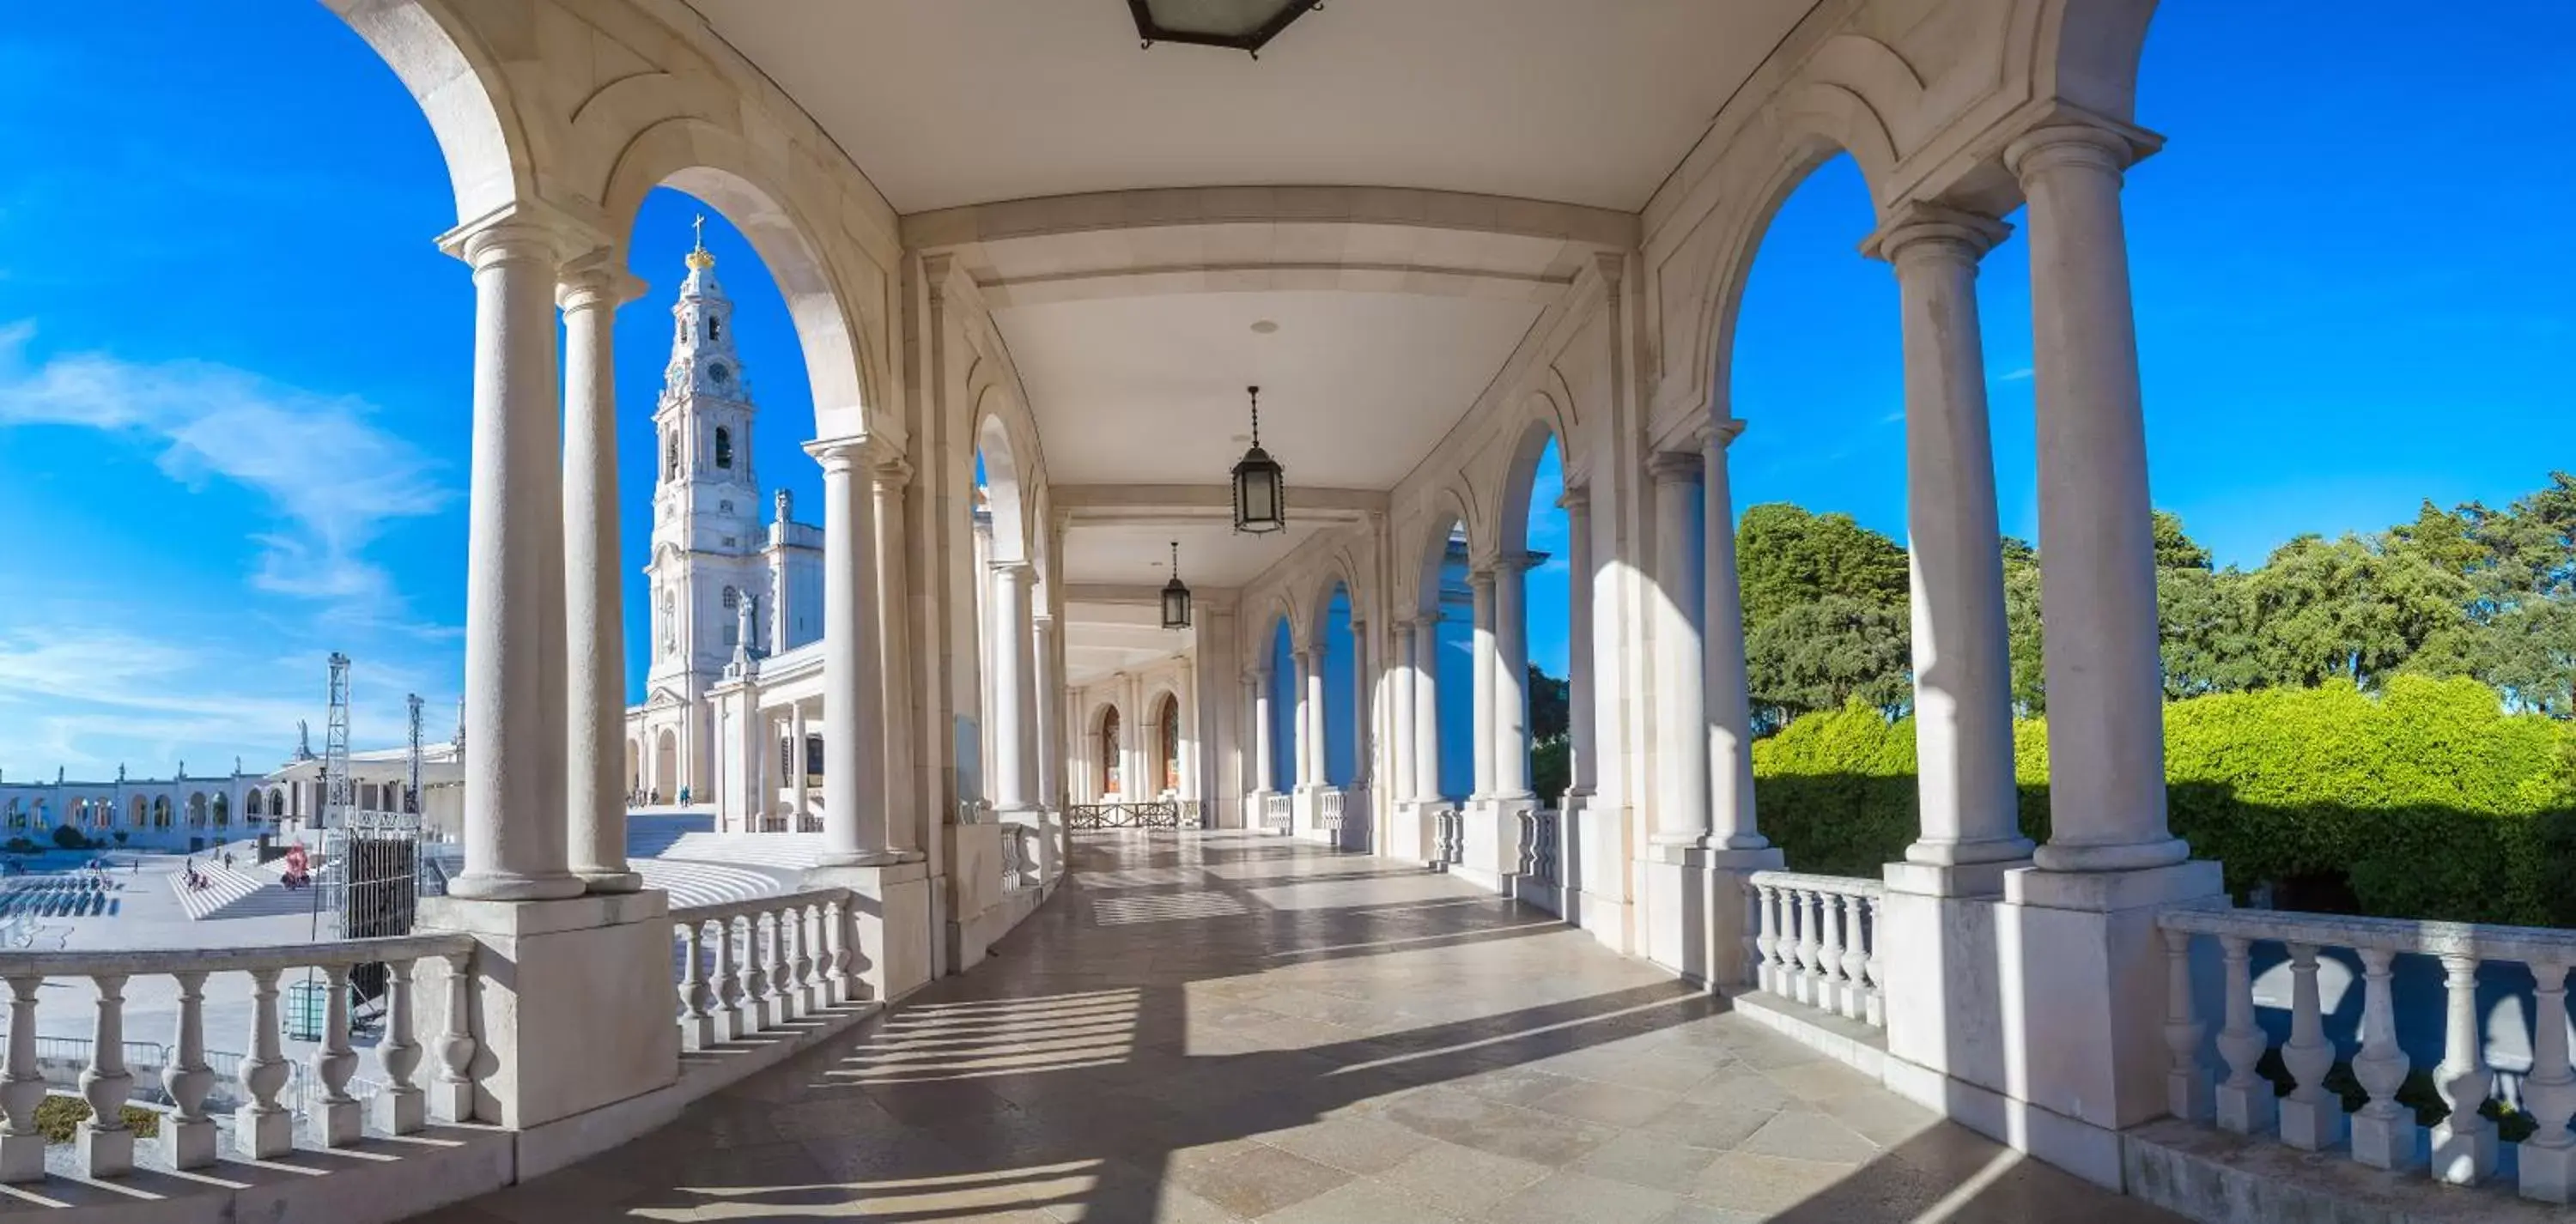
{"x": 699, "y": 256}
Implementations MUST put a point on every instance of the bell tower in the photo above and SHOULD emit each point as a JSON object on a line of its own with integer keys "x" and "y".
{"x": 707, "y": 533}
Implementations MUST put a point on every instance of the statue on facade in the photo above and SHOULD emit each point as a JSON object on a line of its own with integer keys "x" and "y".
{"x": 303, "y": 740}
{"x": 120, "y": 773}
{"x": 744, "y": 619}
{"x": 783, "y": 500}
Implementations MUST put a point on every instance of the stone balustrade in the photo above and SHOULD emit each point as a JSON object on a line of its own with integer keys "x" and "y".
{"x": 1330, "y": 804}
{"x": 263, "y": 1126}
{"x": 748, "y": 966}
{"x": 1278, "y": 812}
{"x": 2462, "y": 1148}
{"x": 1448, "y": 838}
{"x": 1815, "y": 940}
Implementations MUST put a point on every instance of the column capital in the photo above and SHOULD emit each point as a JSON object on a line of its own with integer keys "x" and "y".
{"x": 1719, "y": 434}
{"x": 1020, "y": 572}
{"x": 1481, "y": 576}
{"x": 1576, "y": 499}
{"x": 1674, "y": 467}
{"x": 524, "y": 229}
{"x": 1936, "y": 231}
{"x": 839, "y": 456}
{"x": 891, "y": 470}
{"x": 2076, "y": 138}
{"x": 1523, "y": 561}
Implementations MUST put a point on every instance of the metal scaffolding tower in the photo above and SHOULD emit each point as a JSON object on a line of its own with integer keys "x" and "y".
{"x": 335, "y": 748}
{"x": 411, "y": 784}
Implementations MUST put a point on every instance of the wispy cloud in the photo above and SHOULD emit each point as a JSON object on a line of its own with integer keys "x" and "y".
{"x": 2020, "y": 374}
{"x": 331, "y": 473}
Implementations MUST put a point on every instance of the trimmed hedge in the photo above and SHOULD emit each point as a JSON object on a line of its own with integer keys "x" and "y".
{"x": 2425, "y": 801}
{"x": 58, "y": 1118}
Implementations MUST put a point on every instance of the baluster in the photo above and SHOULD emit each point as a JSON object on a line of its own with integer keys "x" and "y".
{"x": 1829, "y": 954}
{"x": 782, "y": 974}
{"x": 836, "y": 960}
{"x": 2311, "y": 1118}
{"x": 755, "y": 975}
{"x": 452, "y": 1100}
{"x": 22, "y": 1147}
{"x": 106, "y": 1145}
{"x": 335, "y": 1121}
{"x": 2186, "y": 1084}
{"x": 697, "y": 1023}
{"x": 1855, "y": 963}
{"x": 808, "y": 1000}
{"x": 728, "y": 985}
{"x": 187, "y": 1134}
{"x": 401, "y": 1108}
{"x": 1876, "y": 1012}
{"x": 2549, "y": 1092}
{"x": 261, "y": 1127}
{"x": 1793, "y": 932}
{"x": 2245, "y": 1102}
{"x": 1811, "y": 944}
{"x": 1766, "y": 936}
{"x": 2464, "y": 1144}
{"x": 2383, "y": 1132}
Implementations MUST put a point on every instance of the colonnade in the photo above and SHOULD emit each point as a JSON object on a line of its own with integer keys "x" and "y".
{"x": 544, "y": 649}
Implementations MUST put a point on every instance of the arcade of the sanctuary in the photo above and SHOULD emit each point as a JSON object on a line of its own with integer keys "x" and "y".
{"x": 1439, "y": 235}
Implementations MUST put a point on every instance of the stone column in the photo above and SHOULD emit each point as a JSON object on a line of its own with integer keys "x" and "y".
{"x": 1480, "y": 583}
{"x": 2098, "y": 582}
{"x": 1013, "y": 640}
{"x": 802, "y": 774}
{"x": 1050, "y": 701}
{"x": 1963, "y": 734}
{"x": 1264, "y": 770}
{"x": 595, "y": 640}
{"x": 1360, "y": 737}
{"x": 1726, "y": 704}
{"x": 889, "y": 477}
{"x": 1310, "y": 717}
{"x": 1401, "y": 748}
{"x": 1681, "y": 747}
{"x": 1426, "y": 709}
{"x": 854, "y": 815}
{"x": 1511, "y": 771}
{"x": 515, "y": 832}
{"x": 1577, "y": 503}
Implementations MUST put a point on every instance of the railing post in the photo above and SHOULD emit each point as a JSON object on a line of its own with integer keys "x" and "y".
{"x": 452, "y": 1098}
{"x": 402, "y": 1108}
{"x": 1876, "y": 1013}
{"x": 1766, "y": 939}
{"x": 22, "y": 1147}
{"x": 1855, "y": 963}
{"x": 1811, "y": 945}
{"x": 836, "y": 971}
{"x": 2549, "y": 1092}
{"x": 782, "y": 971}
{"x": 261, "y": 1127}
{"x": 188, "y": 1135}
{"x": 755, "y": 975}
{"x": 2187, "y": 1094}
{"x": 2464, "y": 1144}
{"x": 2245, "y": 1102}
{"x": 1829, "y": 953}
{"x": 809, "y": 978}
{"x": 335, "y": 1121}
{"x": 728, "y": 985}
{"x": 2311, "y": 1117}
{"x": 697, "y": 1024}
{"x": 2383, "y": 1131}
{"x": 106, "y": 1145}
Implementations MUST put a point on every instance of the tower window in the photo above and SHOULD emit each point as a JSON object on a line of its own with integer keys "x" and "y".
{"x": 715, "y": 329}
{"x": 671, "y": 456}
{"x": 724, "y": 447}
{"x": 732, "y": 599}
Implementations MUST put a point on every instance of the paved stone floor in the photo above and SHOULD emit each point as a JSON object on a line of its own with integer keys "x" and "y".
{"x": 1226, "y": 1026}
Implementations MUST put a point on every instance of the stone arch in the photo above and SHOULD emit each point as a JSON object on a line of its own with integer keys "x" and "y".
{"x": 1520, "y": 475}
{"x": 715, "y": 166}
{"x": 1008, "y": 484}
{"x": 666, "y": 765}
{"x": 1162, "y": 726}
{"x": 1108, "y": 731}
{"x": 460, "y": 89}
{"x": 1448, "y": 518}
{"x": 1791, "y": 164}
{"x": 221, "y": 808}
{"x": 2084, "y": 52}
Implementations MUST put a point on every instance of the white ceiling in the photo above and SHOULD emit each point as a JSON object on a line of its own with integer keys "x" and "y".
{"x": 1104, "y": 639}
{"x": 1139, "y": 554}
{"x": 949, "y": 102}
{"x": 1355, "y": 387}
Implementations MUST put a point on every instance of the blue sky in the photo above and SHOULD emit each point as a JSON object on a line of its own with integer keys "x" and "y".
{"x": 233, "y": 369}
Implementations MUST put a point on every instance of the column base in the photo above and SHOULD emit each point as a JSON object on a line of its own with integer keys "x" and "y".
{"x": 510, "y": 886}
{"x": 1950, "y": 879}
{"x": 891, "y": 905}
{"x": 609, "y": 881}
{"x": 1695, "y": 914}
{"x": 2125, "y": 856}
{"x": 976, "y": 916}
{"x": 2548, "y": 1173}
{"x": 1983, "y": 851}
{"x": 572, "y": 1001}
{"x": 1599, "y": 837}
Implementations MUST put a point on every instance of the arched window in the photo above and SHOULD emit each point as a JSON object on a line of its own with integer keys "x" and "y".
{"x": 671, "y": 456}
{"x": 814, "y": 755}
{"x": 1171, "y": 737}
{"x": 724, "y": 447}
{"x": 715, "y": 329}
{"x": 1110, "y": 781}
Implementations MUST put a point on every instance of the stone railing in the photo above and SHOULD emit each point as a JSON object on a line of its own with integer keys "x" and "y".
{"x": 1150, "y": 814}
{"x": 2397, "y": 962}
{"x": 1448, "y": 837}
{"x": 263, "y": 1127}
{"x": 1278, "y": 812}
{"x": 1019, "y": 864}
{"x": 1541, "y": 837}
{"x": 1330, "y": 804}
{"x": 747, "y": 966}
{"x": 1815, "y": 940}
{"x": 1193, "y": 814}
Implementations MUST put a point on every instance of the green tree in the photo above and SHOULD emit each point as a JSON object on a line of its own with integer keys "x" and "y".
{"x": 1785, "y": 557}
{"x": 1826, "y": 654}
{"x": 2348, "y": 609}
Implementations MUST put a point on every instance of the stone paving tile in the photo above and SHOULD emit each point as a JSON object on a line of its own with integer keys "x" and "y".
{"x": 1398, "y": 1049}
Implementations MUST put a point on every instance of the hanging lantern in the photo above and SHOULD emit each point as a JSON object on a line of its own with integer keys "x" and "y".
{"x": 1260, "y": 488}
{"x": 1176, "y": 597}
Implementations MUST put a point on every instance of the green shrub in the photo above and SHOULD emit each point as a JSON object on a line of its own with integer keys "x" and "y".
{"x": 2426, "y": 801}
{"x": 22, "y": 845}
{"x": 70, "y": 838}
{"x": 58, "y": 1115}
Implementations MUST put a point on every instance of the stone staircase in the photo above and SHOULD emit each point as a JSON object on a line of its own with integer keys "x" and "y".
{"x": 224, "y": 886}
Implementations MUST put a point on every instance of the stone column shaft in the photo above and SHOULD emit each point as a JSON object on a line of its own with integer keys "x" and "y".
{"x": 1013, "y": 642}
{"x": 1360, "y": 738}
{"x": 1480, "y": 583}
{"x": 594, "y": 624}
{"x": 2096, "y": 538}
{"x": 1310, "y": 700}
{"x": 854, "y": 815}
{"x": 1265, "y": 775}
{"x": 1511, "y": 678}
{"x": 1400, "y": 717}
{"x": 889, "y": 478}
{"x": 1581, "y": 744}
{"x": 1050, "y": 699}
{"x": 1681, "y": 745}
{"x": 801, "y": 774}
{"x": 515, "y": 828}
{"x": 1726, "y": 703}
{"x": 1426, "y": 709}
{"x": 1963, "y": 733}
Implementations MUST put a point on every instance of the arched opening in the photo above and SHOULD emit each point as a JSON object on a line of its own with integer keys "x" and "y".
{"x": 1448, "y": 618}
{"x": 1113, "y": 780}
{"x": 254, "y": 805}
{"x": 666, "y": 767}
{"x": 1338, "y": 664}
{"x": 17, "y": 813}
{"x": 197, "y": 810}
{"x": 1167, "y": 745}
{"x": 138, "y": 813}
{"x": 222, "y": 809}
{"x": 1282, "y": 681}
{"x": 1007, "y": 595}
{"x": 1537, "y": 529}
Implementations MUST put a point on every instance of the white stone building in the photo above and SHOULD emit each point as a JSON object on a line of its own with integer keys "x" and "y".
{"x": 726, "y": 589}
{"x": 179, "y": 812}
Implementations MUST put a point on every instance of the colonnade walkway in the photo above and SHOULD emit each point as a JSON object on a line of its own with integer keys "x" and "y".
{"x": 1230, "y": 1026}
